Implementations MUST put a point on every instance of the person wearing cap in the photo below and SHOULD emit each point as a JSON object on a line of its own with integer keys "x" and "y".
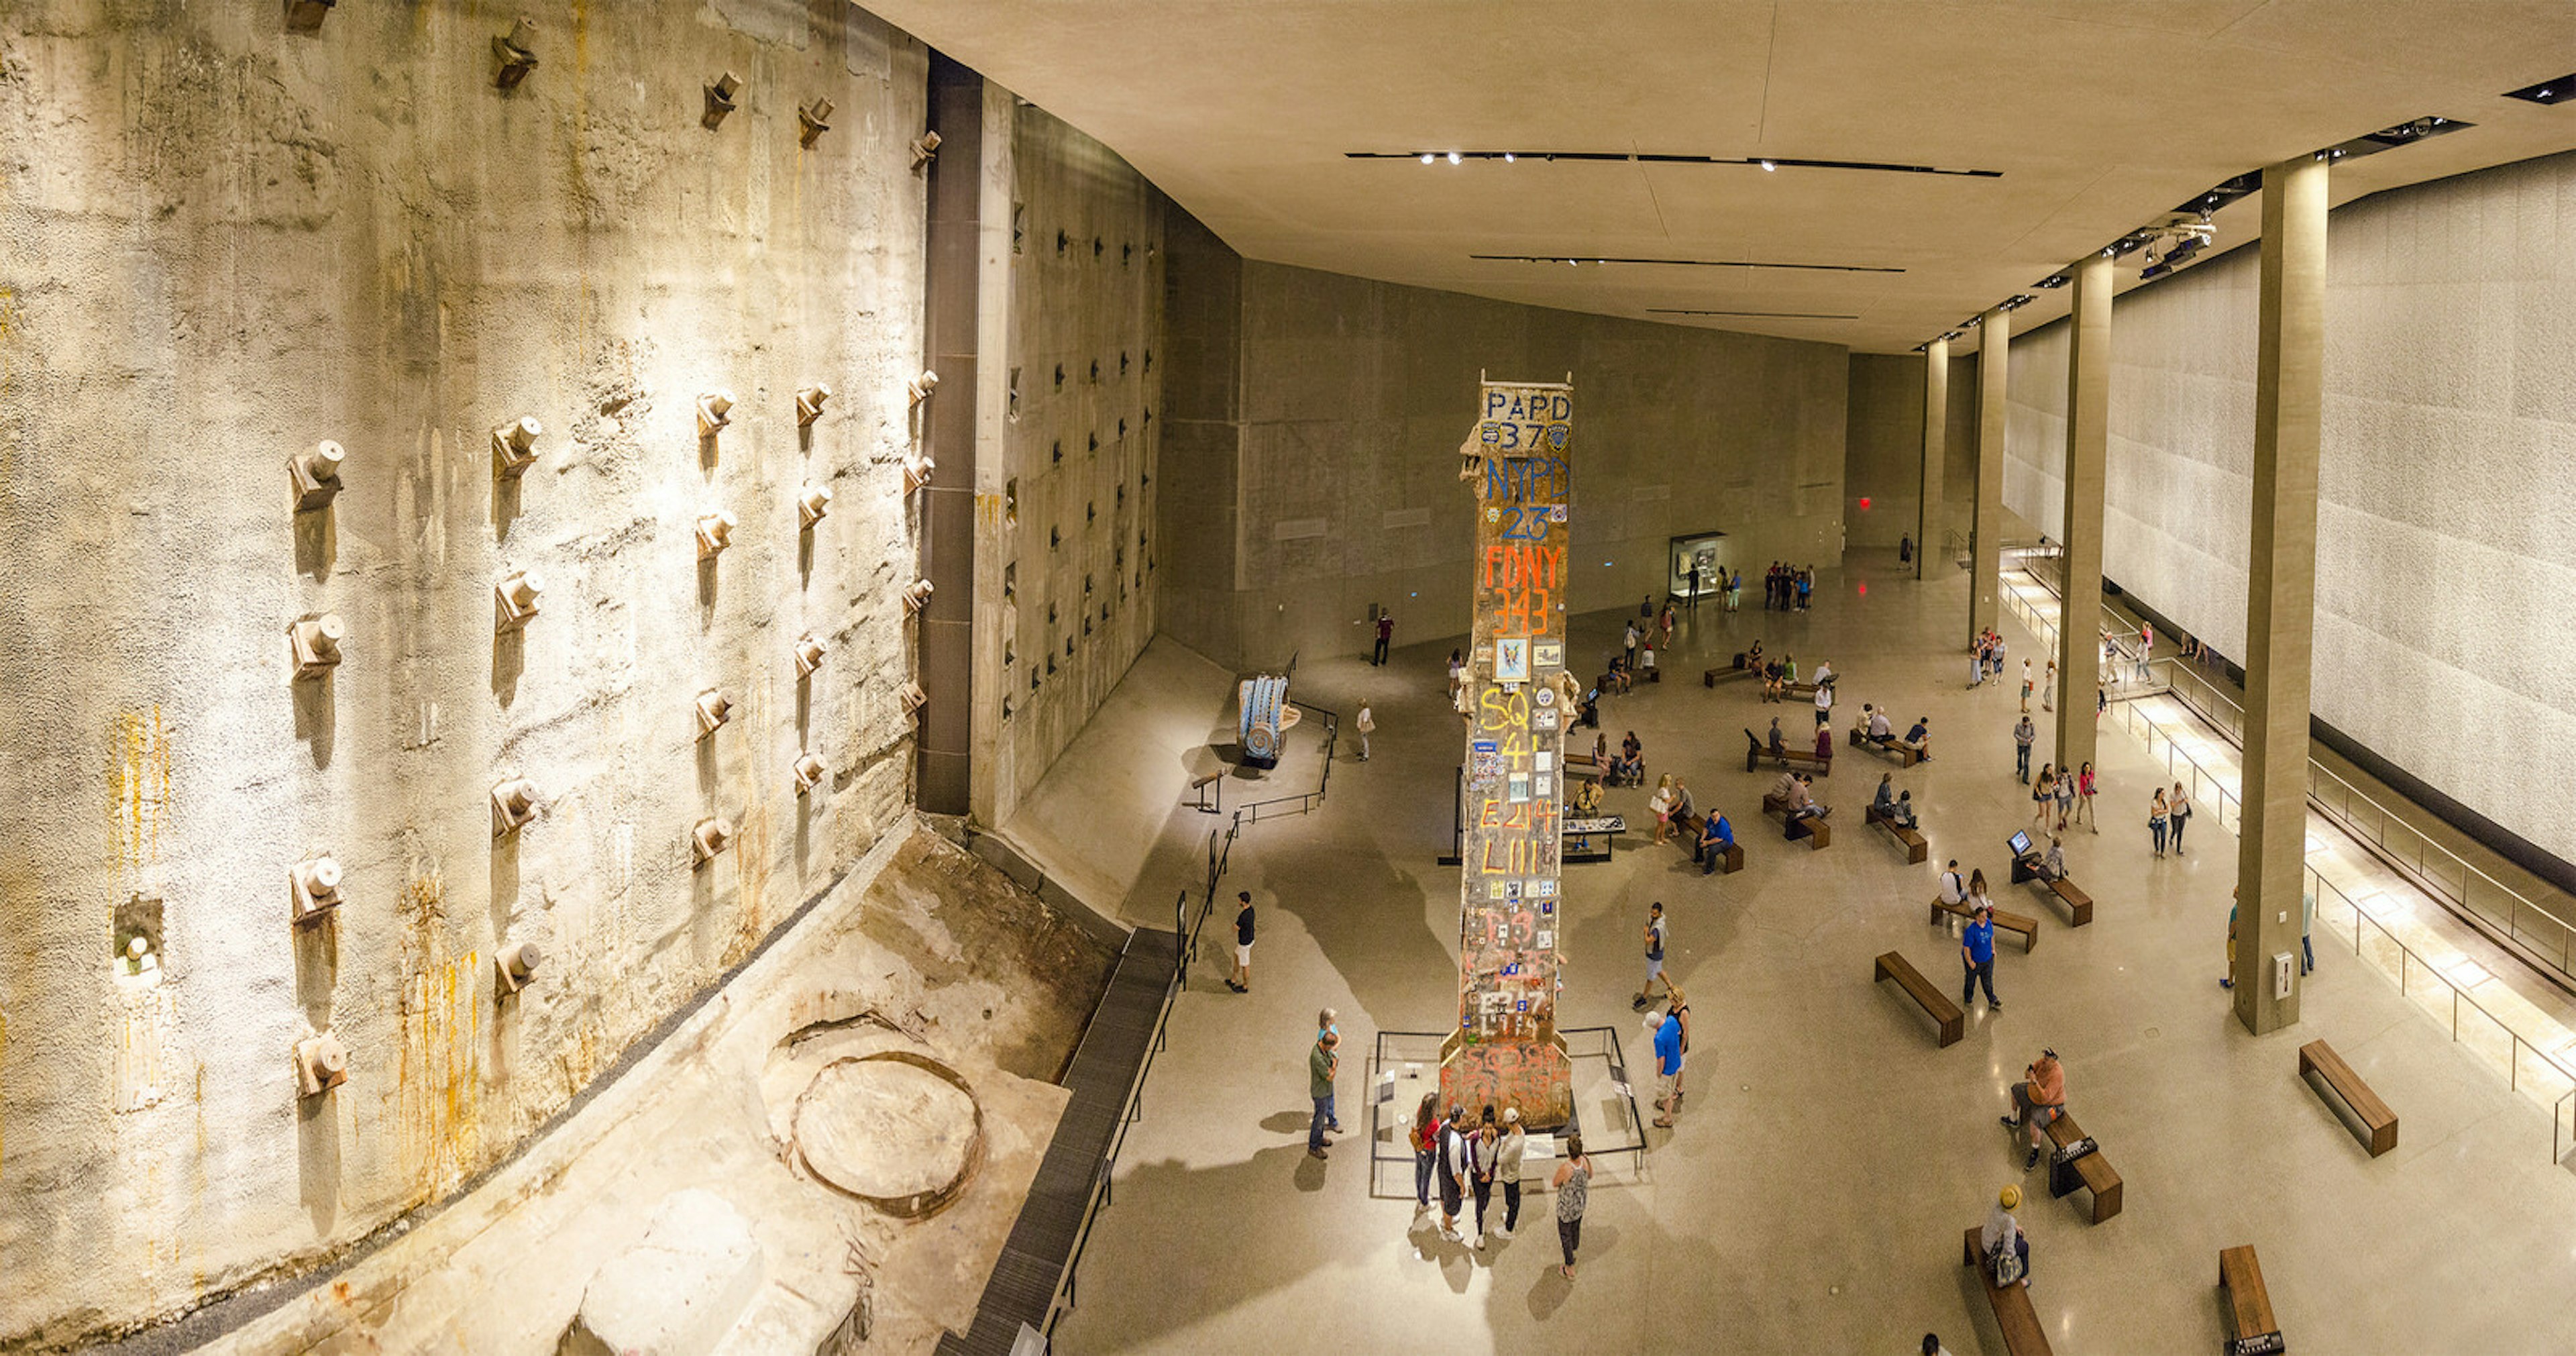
{"x": 2037, "y": 1100}
{"x": 1508, "y": 1152}
{"x": 2003, "y": 1231}
{"x": 1977, "y": 954}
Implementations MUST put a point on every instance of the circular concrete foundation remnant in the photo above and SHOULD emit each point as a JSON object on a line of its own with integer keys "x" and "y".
{"x": 898, "y": 1130}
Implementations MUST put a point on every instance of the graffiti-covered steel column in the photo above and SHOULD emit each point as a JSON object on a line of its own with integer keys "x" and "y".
{"x": 1518, "y": 698}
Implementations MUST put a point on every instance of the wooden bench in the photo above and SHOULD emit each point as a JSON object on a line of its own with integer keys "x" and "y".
{"x": 1806, "y": 690}
{"x": 2009, "y": 922}
{"x": 1818, "y": 834}
{"x": 1582, "y": 765}
{"x": 1906, "y": 754}
{"x": 2249, "y": 1305}
{"x": 1915, "y": 848}
{"x": 1728, "y": 862}
{"x": 1733, "y": 670}
{"x": 1953, "y": 1022}
{"x": 1790, "y": 755}
{"x": 2079, "y": 905}
{"x": 2093, "y": 1172}
{"x": 2020, "y": 1323}
{"x": 2320, "y": 1058}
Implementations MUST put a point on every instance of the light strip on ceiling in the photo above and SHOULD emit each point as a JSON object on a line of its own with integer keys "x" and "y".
{"x": 1766, "y": 162}
{"x": 1763, "y": 315}
{"x": 1680, "y": 263}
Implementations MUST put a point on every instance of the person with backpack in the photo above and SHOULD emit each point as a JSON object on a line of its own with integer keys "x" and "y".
{"x": 2005, "y": 1246}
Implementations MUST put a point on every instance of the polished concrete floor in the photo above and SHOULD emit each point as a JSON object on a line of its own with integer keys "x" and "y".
{"x": 1812, "y": 1193}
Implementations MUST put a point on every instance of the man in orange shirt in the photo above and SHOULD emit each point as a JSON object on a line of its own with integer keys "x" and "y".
{"x": 2039, "y": 1099}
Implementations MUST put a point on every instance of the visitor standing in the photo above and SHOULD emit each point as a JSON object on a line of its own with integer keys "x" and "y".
{"x": 2084, "y": 789}
{"x": 1694, "y": 583}
{"x": 1322, "y": 1063}
{"x": 2307, "y": 925}
{"x": 1241, "y": 980}
{"x": 1662, "y": 805}
{"x": 1654, "y": 956}
{"x": 2180, "y": 808}
{"x": 1481, "y": 1151}
{"x": 1573, "y": 1193}
{"x": 1366, "y": 723}
{"x": 1457, "y": 675}
{"x": 1667, "y": 620}
{"x": 2024, "y": 735}
{"x": 2065, "y": 798}
{"x": 1453, "y": 1171}
{"x": 1735, "y": 591}
{"x": 2048, "y": 688}
{"x": 2146, "y": 650}
{"x": 2228, "y": 980}
{"x": 1824, "y": 700}
{"x": 1977, "y": 955}
{"x": 1385, "y": 634}
{"x": 1905, "y": 549}
{"x": 1325, "y": 1025}
{"x": 2043, "y": 797}
{"x": 1426, "y": 1147}
{"x": 2156, "y": 821}
{"x": 1632, "y": 645}
{"x": 1668, "y": 1065}
{"x": 1507, "y": 1168}
{"x": 2025, "y": 687}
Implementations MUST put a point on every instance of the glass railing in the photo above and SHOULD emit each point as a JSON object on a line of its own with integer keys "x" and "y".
{"x": 2526, "y": 1066}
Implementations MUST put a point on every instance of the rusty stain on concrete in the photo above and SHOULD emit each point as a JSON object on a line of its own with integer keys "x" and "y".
{"x": 138, "y": 787}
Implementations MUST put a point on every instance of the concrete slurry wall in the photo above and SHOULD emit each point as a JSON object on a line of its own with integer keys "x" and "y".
{"x": 1356, "y": 394}
{"x": 1883, "y": 449}
{"x": 2445, "y": 549}
{"x": 227, "y": 243}
{"x": 1070, "y": 564}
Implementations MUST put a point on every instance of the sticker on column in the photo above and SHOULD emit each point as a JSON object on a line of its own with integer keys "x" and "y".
{"x": 1486, "y": 767}
{"x": 1511, "y": 659}
{"x": 1518, "y": 789}
{"x": 1548, "y": 654}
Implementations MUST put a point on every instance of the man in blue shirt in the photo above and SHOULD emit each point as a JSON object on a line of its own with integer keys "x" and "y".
{"x": 1977, "y": 954}
{"x": 1668, "y": 1065}
{"x": 1715, "y": 837}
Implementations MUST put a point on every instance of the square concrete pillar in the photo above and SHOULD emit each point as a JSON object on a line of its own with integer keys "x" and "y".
{"x": 1936, "y": 419}
{"x": 2088, "y": 436}
{"x": 2281, "y": 588}
{"x": 1994, "y": 358}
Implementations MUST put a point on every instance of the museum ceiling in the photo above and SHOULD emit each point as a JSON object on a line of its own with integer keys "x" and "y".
{"x": 2084, "y": 119}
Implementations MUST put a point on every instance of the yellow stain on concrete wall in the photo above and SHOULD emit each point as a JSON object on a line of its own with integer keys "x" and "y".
{"x": 440, "y": 1106}
{"x": 438, "y": 1110}
{"x": 138, "y": 787}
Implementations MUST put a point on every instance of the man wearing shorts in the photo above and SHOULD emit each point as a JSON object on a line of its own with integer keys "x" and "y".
{"x": 1241, "y": 980}
{"x": 1654, "y": 955}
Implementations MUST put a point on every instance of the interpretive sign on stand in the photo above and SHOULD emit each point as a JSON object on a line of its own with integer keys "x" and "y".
{"x": 1518, "y": 698}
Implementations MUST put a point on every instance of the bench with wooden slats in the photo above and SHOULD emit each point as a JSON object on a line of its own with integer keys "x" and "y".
{"x": 1906, "y": 754}
{"x": 1789, "y": 755}
{"x": 2027, "y": 926}
{"x": 1916, "y": 850}
{"x": 1818, "y": 834}
{"x": 2020, "y": 1323}
{"x": 2249, "y": 1305}
{"x": 1953, "y": 1023}
{"x": 2320, "y": 1058}
{"x": 2079, "y": 905}
{"x": 1583, "y": 765}
{"x": 1734, "y": 670}
{"x": 2092, "y": 1171}
{"x": 1729, "y": 861}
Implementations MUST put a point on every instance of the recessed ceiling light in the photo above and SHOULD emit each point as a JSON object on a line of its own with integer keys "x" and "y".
{"x": 1768, "y": 167}
{"x": 1427, "y": 157}
{"x": 1453, "y": 157}
{"x": 1507, "y": 157}
{"x": 2546, "y": 92}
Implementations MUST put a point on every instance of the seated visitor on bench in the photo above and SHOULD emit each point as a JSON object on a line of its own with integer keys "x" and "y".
{"x": 1880, "y": 732}
{"x": 1715, "y": 837}
{"x": 1903, "y": 814}
{"x": 1753, "y": 657}
{"x": 1588, "y": 712}
{"x": 1825, "y": 674}
{"x": 1587, "y": 798}
{"x": 1646, "y": 661}
{"x": 1954, "y": 887}
{"x": 1630, "y": 769}
{"x": 2001, "y": 1235}
{"x": 2037, "y": 1100}
{"x": 1884, "y": 802}
{"x": 2053, "y": 866}
{"x": 1682, "y": 808}
{"x": 1620, "y": 679}
{"x": 1919, "y": 738}
{"x": 1788, "y": 668}
{"x": 1771, "y": 681}
{"x": 1793, "y": 791}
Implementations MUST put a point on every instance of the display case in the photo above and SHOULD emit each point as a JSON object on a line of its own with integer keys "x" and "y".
{"x": 1705, "y": 549}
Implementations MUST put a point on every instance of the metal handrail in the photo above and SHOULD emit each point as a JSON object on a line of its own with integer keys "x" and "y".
{"x": 2149, "y": 729}
{"x": 1104, "y": 1173}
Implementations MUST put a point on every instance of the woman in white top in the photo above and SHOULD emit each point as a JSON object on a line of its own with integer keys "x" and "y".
{"x": 1662, "y": 804}
{"x": 2178, "y": 807}
{"x": 1507, "y": 1167}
